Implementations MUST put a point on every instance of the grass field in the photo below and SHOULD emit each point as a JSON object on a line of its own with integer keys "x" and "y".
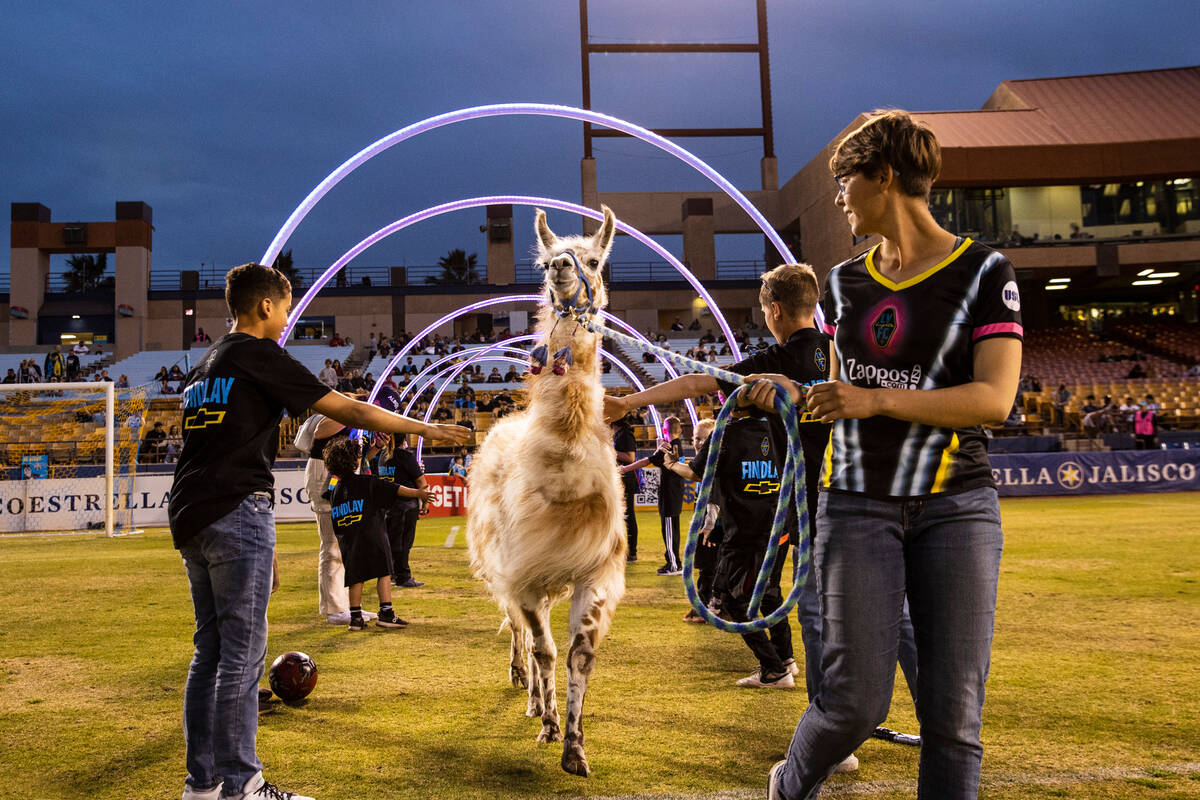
{"x": 1093, "y": 693}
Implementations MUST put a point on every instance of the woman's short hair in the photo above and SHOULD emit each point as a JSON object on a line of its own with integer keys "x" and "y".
{"x": 891, "y": 138}
{"x": 793, "y": 286}
{"x": 703, "y": 428}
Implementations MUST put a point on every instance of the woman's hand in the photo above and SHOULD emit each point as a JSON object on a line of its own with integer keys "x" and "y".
{"x": 837, "y": 400}
{"x": 426, "y": 497}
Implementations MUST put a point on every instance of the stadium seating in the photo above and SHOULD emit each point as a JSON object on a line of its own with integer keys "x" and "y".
{"x": 13, "y": 361}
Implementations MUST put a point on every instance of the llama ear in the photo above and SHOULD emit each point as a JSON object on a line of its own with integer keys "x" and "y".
{"x": 608, "y": 229}
{"x": 546, "y": 237}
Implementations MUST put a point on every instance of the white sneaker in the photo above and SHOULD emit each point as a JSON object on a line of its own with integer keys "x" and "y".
{"x": 792, "y": 667}
{"x": 848, "y": 764}
{"x": 343, "y": 617}
{"x": 755, "y": 681}
{"x": 773, "y": 780}
{"x": 211, "y": 794}
{"x": 257, "y": 788}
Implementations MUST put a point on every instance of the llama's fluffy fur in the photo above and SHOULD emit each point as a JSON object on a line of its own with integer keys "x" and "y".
{"x": 546, "y": 508}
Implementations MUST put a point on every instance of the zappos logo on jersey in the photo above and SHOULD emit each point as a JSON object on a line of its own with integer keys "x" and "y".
{"x": 884, "y": 327}
{"x": 869, "y": 374}
{"x": 1010, "y": 296}
{"x": 820, "y": 360}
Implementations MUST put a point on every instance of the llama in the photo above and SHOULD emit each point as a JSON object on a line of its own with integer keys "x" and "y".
{"x": 546, "y": 509}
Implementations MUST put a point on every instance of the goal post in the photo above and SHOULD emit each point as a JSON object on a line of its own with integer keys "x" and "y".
{"x": 68, "y": 451}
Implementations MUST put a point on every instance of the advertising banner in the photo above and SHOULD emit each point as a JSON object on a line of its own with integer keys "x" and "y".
{"x": 1117, "y": 472}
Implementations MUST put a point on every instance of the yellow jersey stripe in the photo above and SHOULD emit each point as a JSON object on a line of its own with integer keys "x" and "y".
{"x": 943, "y": 471}
{"x": 913, "y": 281}
{"x": 827, "y": 465}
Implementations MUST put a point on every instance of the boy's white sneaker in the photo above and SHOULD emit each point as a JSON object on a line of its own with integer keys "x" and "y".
{"x": 257, "y": 788}
{"x": 209, "y": 794}
{"x": 848, "y": 764}
{"x": 755, "y": 680}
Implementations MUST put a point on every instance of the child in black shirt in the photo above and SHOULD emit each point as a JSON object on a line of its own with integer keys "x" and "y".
{"x": 223, "y": 524}
{"x": 396, "y": 463}
{"x": 670, "y": 496}
{"x": 747, "y": 478}
{"x": 358, "y": 506}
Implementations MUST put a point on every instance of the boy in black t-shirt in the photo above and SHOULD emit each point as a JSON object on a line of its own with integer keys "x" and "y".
{"x": 222, "y": 522}
{"x": 747, "y": 479}
{"x": 358, "y": 506}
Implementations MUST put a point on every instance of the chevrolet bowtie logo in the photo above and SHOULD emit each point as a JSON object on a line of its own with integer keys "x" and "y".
{"x": 762, "y": 487}
{"x": 202, "y": 419}
{"x": 349, "y": 519}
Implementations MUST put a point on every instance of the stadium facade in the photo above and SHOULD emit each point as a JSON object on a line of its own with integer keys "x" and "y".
{"x": 1095, "y": 179}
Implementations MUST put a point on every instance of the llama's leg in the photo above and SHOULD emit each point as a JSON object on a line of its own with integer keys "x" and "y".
{"x": 537, "y": 619}
{"x": 516, "y": 656}
{"x": 590, "y": 614}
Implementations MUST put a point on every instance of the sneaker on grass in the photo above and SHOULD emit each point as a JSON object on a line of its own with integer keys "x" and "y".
{"x": 791, "y": 666}
{"x": 357, "y": 624}
{"x": 257, "y": 788}
{"x": 387, "y": 620}
{"x": 209, "y": 794}
{"x": 342, "y": 617}
{"x": 847, "y": 764}
{"x": 757, "y": 680}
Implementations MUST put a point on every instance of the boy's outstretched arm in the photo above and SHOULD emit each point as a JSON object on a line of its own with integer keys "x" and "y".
{"x": 358, "y": 414}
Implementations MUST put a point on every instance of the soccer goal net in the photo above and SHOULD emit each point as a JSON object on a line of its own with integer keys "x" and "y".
{"x": 70, "y": 454}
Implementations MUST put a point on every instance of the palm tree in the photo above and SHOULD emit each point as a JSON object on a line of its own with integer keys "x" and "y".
{"x": 284, "y": 263}
{"x": 87, "y": 272}
{"x": 457, "y": 267}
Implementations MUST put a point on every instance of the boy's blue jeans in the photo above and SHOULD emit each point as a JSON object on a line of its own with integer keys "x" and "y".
{"x": 229, "y": 570}
{"x": 945, "y": 552}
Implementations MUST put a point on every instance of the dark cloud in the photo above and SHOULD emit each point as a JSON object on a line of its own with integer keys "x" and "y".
{"x": 223, "y": 116}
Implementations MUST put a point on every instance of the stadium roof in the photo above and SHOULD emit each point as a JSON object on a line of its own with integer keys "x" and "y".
{"x": 1081, "y": 129}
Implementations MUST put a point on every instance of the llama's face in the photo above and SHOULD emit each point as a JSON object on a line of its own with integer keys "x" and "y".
{"x": 562, "y": 281}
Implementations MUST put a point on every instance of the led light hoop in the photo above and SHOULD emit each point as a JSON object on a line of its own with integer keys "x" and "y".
{"x": 492, "y": 301}
{"x": 512, "y": 109}
{"x": 520, "y": 200}
{"x": 481, "y": 354}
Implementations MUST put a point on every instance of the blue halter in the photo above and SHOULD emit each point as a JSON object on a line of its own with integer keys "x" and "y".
{"x": 573, "y": 307}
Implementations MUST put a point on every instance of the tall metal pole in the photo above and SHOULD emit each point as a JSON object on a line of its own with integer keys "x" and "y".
{"x": 585, "y": 57}
{"x": 764, "y": 74}
{"x": 110, "y": 425}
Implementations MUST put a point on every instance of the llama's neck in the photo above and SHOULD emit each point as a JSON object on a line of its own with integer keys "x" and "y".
{"x": 569, "y": 404}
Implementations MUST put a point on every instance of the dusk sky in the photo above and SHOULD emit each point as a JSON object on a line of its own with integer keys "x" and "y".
{"x": 223, "y": 116}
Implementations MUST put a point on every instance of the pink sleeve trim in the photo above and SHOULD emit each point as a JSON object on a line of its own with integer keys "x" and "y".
{"x": 830, "y": 330}
{"x": 999, "y": 327}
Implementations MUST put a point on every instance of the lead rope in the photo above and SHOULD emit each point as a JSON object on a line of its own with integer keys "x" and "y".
{"x": 793, "y": 468}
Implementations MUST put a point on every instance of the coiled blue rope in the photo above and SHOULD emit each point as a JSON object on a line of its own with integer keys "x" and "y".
{"x": 790, "y": 477}
{"x": 793, "y": 469}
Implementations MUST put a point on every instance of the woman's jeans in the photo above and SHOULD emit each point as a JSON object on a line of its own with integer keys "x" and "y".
{"x": 944, "y": 551}
{"x": 229, "y": 570}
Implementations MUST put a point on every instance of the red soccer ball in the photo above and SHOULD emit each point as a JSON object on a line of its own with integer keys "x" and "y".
{"x": 293, "y": 676}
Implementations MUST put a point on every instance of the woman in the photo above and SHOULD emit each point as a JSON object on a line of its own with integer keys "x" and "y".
{"x": 927, "y": 347}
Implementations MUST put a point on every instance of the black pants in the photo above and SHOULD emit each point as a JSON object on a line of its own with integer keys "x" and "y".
{"x": 631, "y": 529}
{"x": 402, "y": 530}
{"x": 670, "y": 532}
{"x": 706, "y": 563}
{"x": 737, "y": 570}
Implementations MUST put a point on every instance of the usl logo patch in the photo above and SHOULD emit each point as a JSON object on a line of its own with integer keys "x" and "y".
{"x": 765, "y": 446}
{"x": 884, "y": 327}
{"x": 819, "y": 359}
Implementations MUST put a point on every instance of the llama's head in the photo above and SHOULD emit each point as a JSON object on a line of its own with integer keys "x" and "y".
{"x": 574, "y": 264}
